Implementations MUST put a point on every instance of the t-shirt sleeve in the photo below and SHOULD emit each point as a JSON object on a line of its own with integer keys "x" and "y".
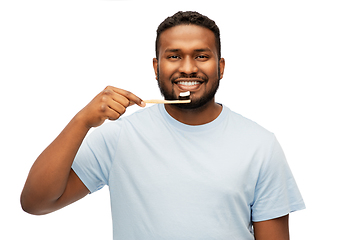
{"x": 276, "y": 192}
{"x": 94, "y": 158}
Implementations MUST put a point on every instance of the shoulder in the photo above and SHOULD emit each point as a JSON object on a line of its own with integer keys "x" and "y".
{"x": 139, "y": 121}
{"x": 248, "y": 127}
{"x": 139, "y": 117}
{"x": 148, "y": 113}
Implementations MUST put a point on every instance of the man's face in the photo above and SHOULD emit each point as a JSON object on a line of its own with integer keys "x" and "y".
{"x": 188, "y": 61}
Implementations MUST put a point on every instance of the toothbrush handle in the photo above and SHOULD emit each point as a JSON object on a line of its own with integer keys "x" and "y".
{"x": 167, "y": 101}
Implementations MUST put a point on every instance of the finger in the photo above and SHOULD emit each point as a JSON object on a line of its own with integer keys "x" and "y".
{"x": 133, "y": 99}
{"x": 112, "y": 105}
{"x": 111, "y": 114}
{"x": 119, "y": 106}
{"x": 132, "y": 103}
{"x": 120, "y": 99}
{"x": 113, "y": 110}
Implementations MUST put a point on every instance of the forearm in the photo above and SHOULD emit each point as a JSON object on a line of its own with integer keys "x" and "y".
{"x": 49, "y": 174}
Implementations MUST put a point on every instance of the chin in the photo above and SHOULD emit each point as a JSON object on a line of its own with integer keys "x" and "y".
{"x": 196, "y": 104}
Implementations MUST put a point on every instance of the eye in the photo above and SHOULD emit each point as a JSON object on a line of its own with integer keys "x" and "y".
{"x": 173, "y": 57}
{"x": 202, "y": 57}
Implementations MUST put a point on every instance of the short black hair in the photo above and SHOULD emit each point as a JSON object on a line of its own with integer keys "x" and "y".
{"x": 188, "y": 18}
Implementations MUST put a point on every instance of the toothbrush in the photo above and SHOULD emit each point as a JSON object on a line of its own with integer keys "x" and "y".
{"x": 184, "y": 97}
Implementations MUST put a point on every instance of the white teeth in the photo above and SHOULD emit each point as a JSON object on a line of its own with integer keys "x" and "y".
{"x": 188, "y": 83}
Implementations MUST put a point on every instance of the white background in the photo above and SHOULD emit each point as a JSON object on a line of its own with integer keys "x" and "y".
{"x": 293, "y": 67}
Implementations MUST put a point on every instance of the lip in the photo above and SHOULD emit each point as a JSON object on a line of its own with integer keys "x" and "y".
{"x": 188, "y": 80}
{"x": 188, "y": 87}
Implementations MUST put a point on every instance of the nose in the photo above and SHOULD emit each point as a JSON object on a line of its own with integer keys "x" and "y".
{"x": 188, "y": 65}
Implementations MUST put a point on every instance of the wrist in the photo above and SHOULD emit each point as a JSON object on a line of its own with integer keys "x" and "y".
{"x": 80, "y": 122}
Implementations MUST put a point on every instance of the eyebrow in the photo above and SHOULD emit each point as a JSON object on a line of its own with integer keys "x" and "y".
{"x": 203, "y": 50}
{"x": 196, "y": 50}
{"x": 172, "y": 50}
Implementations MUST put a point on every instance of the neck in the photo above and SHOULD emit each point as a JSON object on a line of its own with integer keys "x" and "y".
{"x": 205, "y": 114}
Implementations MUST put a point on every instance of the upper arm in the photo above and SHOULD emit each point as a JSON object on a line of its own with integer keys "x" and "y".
{"x": 74, "y": 191}
{"x": 274, "y": 229}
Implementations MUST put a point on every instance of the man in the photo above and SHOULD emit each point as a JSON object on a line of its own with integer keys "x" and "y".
{"x": 182, "y": 171}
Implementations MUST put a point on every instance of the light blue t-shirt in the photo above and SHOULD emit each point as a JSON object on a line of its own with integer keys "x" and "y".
{"x": 172, "y": 181}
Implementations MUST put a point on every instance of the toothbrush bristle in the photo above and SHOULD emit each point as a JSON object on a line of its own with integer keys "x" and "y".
{"x": 184, "y": 94}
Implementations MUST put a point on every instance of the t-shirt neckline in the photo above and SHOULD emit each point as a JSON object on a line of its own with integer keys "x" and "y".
{"x": 193, "y": 128}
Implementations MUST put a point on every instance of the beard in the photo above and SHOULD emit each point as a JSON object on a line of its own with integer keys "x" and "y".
{"x": 195, "y": 103}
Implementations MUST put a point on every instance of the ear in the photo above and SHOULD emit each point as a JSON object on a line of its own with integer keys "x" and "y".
{"x": 155, "y": 66}
{"x": 221, "y": 67}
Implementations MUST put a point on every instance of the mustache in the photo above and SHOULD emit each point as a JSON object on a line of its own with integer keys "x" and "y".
{"x": 192, "y": 75}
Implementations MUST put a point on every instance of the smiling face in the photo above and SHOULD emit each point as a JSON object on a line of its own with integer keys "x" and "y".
{"x": 188, "y": 61}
